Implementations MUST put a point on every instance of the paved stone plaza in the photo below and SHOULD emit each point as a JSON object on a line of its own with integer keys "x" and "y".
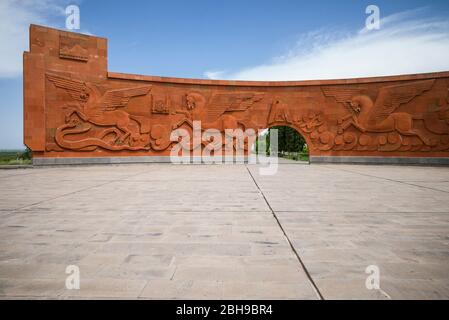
{"x": 217, "y": 231}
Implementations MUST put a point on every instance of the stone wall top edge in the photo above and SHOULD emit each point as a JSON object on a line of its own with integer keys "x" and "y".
{"x": 136, "y": 77}
{"x": 37, "y": 27}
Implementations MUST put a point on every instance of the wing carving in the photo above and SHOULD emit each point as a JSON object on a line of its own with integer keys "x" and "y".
{"x": 118, "y": 98}
{"x": 341, "y": 95}
{"x": 77, "y": 89}
{"x": 391, "y": 97}
{"x": 227, "y": 102}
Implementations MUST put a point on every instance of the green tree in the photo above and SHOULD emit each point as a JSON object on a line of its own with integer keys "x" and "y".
{"x": 289, "y": 140}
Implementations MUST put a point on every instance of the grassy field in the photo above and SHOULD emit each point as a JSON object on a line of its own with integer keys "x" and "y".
{"x": 10, "y": 157}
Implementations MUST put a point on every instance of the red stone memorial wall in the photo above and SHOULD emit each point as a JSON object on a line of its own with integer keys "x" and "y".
{"x": 76, "y": 111}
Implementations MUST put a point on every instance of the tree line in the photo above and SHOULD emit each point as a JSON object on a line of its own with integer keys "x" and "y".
{"x": 289, "y": 140}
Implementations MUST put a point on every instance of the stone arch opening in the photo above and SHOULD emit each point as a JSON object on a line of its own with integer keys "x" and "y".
{"x": 291, "y": 144}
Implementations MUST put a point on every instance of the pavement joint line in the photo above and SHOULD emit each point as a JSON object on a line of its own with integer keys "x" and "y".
{"x": 315, "y": 287}
{"x": 69, "y": 193}
{"x": 392, "y": 180}
{"x": 143, "y": 288}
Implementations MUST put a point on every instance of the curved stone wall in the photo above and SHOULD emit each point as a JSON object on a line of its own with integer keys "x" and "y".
{"x": 76, "y": 111}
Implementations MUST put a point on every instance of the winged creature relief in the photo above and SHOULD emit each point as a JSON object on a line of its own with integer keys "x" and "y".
{"x": 101, "y": 108}
{"x": 222, "y": 111}
{"x": 381, "y": 115}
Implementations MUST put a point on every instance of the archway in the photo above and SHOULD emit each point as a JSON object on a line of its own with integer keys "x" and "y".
{"x": 291, "y": 144}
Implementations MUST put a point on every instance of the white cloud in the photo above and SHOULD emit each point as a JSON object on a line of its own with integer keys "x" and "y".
{"x": 15, "y": 19}
{"x": 212, "y": 74}
{"x": 404, "y": 44}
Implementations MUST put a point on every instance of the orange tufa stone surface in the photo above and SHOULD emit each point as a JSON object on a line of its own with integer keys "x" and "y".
{"x": 75, "y": 108}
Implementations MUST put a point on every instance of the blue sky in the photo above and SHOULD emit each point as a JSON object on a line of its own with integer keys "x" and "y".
{"x": 256, "y": 40}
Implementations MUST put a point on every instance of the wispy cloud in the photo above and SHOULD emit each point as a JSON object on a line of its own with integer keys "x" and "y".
{"x": 15, "y": 18}
{"x": 214, "y": 74}
{"x": 405, "y": 43}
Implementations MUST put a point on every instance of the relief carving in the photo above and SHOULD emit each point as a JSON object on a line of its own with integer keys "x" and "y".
{"x": 99, "y": 107}
{"x": 74, "y": 48}
{"x": 378, "y": 125}
{"x": 230, "y": 110}
{"x": 161, "y": 104}
{"x": 95, "y": 118}
{"x": 222, "y": 111}
{"x": 380, "y": 115}
{"x": 279, "y": 112}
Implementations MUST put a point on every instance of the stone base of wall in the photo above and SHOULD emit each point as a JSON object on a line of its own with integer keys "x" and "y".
{"x": 313, "y": 159}
{"x": 382, "y": 160}
{"x": 133, "y": 159}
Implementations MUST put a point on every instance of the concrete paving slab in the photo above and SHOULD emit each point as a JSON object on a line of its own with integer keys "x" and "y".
{"x": 162, "y": 231}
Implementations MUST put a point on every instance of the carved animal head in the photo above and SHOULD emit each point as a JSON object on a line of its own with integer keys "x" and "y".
{"x": 85, "y": 95}
{"x": 194, "y": 100}
{"x": 92, "y": 92}
{"x": 190, "y": 102}
{"x": 360, "y": 102}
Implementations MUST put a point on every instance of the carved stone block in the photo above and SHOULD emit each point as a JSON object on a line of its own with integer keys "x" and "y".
{"x": 73, "y": 47}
